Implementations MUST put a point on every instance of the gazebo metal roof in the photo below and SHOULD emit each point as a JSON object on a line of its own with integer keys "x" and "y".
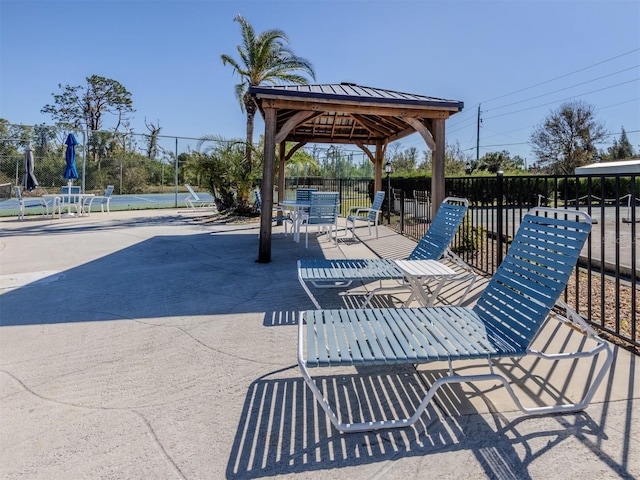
{"x": 349, "y": 113}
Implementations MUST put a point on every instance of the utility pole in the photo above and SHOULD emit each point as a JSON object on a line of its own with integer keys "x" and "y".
{"x": 478, "y": 136}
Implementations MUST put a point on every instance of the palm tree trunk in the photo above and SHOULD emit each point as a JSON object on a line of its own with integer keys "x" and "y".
{"x": 250, "y": 106}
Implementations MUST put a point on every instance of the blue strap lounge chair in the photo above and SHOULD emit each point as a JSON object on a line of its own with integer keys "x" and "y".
{"x": 370, "y": 215}
{"x": 279, "y": 214}
{"x": 434, "y": 245}
{"x": 503, "y": 323}
{"x": 304, "y": 194}
{"x": 323, "y": 213}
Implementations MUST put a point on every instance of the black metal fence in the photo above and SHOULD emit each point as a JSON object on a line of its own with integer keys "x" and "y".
{"x": 604, "y": 290}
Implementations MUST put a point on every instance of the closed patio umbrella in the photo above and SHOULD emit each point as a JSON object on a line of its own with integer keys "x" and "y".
{"x": 29, "y": 181}
{"x": 70, "y": 172}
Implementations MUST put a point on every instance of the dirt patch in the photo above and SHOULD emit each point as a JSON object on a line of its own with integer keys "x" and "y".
{"x": 609, "y": 303}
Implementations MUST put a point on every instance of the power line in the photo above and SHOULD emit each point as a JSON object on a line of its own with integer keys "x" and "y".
{"x": 531, "y": 126}
{"x": 526, "y": 143}
{"x": 462, "y": 120}
{"x": 563, "y": 89}
{"x": 619, "y": 103}
{"x": 563, "y": 99}
{"x": 561, "y": 76}
{"x": 498, "y": 145}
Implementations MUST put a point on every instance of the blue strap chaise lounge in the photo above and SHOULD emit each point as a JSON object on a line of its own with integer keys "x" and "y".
{"x": 503, "y": 323}
{"x": 434, "y": 245}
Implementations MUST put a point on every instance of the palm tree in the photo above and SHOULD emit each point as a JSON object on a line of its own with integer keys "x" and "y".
{"x": 265, "y": 58}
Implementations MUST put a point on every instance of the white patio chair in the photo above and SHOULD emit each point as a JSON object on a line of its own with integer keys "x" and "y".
{"x": 24, "y": 203}
{"x": 102, "y": 200}
{"x": 194, "y": 202}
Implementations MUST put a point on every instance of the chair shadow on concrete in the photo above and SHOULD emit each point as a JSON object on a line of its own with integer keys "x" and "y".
{"x": 283, "y": 430}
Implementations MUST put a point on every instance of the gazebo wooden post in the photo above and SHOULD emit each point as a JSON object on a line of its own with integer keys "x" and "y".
{"x": 264, "y": 252}
{"x": 378, "y": 166}
{"x": 281, "y": 178}
{"x": 437, "y": 167}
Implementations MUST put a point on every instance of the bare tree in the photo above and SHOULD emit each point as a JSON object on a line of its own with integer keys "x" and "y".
{"x": 152, "y": 139}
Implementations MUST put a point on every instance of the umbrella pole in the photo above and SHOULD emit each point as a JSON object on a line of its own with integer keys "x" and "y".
{"x": 69, "y": 185}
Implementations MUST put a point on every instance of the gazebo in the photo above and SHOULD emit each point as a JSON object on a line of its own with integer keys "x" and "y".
{"x": 346, "y": 113}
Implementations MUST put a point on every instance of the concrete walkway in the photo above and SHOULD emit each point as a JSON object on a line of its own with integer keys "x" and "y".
{"x": 151, "y": 345}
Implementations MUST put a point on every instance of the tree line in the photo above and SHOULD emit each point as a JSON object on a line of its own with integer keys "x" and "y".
{"x": 565, "y": 139}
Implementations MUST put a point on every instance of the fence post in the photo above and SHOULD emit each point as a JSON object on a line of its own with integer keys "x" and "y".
{"x": 388, "y": 198}
{"x": 499, "y": 208}
{"x": 175, "y": 200}
{"x": 402, "y": 187}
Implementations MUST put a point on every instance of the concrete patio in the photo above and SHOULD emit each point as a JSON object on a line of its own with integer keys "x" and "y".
{"x": 150, "y": 344}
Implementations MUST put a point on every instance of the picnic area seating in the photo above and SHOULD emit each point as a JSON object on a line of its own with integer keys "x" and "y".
{"x": 70, "y": 197}
{"x": 434, "y": 245}
{"x": 194, "y": 202}
{"x": 503, "y": 323}
{"x": 370, "y": 215}
{"x": 102, "y": 200}
{"x": 304, "y": 194}
{"x": 323, "y": 213}
{"x": 279, "y": 214}
{"x": 28, "y": 202}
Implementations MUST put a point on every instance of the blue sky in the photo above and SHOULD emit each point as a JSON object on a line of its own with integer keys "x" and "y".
{"x": 518, "y": 59}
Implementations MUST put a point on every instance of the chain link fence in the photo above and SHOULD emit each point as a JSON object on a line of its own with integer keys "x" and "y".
{"x": 133, "y": 163}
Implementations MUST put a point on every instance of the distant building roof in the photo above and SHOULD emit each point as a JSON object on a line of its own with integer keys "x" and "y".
{"x": 610, "y": 168}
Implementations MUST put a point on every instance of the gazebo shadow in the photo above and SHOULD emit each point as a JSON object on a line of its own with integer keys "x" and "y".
{"x": 163, "y": 276}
